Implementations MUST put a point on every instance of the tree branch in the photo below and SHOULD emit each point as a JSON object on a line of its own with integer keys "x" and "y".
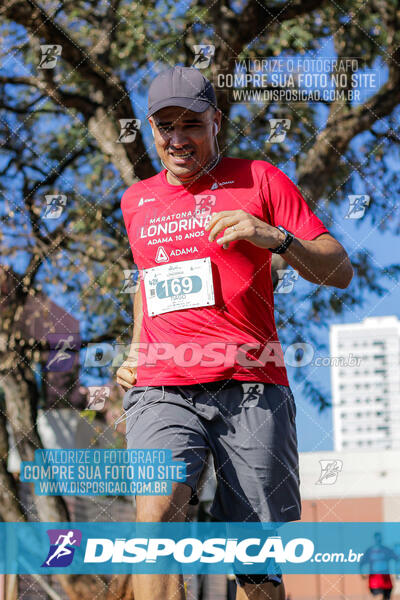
{"x": 265, "y": 15}
{"x": 110, "y": 93}
{"x": 344, "y": 123}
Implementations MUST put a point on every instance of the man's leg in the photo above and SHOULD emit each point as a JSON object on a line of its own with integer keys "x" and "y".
{"x": 261, "y": 591}
{"x": 254, "y": 444}
{"x": 151, "y": 509}
{"x": 164, "y": 417}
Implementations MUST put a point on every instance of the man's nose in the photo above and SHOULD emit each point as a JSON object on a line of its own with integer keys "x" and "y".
{"x": 178, "y": 137}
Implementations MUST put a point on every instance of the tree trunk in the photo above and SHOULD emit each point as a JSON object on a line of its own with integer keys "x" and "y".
{"x": 10, "y": 508}
{"x": 20, "y": 416}
{"x": 50, "y": 508}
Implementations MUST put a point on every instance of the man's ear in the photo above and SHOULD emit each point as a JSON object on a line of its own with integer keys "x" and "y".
{"x": 217, "y": 125}
{"x": 152, "y": 130}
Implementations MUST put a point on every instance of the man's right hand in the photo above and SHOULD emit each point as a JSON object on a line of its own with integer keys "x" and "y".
{"x": 126, "y": 374}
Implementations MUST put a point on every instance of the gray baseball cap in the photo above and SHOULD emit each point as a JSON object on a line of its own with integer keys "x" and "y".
{"x": 181, "y": 86}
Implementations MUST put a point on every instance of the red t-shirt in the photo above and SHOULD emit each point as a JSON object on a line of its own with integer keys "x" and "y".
{"x": 378, "y": 558}
{"x": 235, "y": 338}
{"x": 380, "y": 582}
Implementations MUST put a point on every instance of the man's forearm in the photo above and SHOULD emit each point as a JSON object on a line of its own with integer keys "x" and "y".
{"x": 137, "y": 322}
{"x": 323, "y": 261}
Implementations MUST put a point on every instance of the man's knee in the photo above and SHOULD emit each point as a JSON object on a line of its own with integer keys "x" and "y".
{"x": 158, "y": 512}
{"x": 265, "y": 587}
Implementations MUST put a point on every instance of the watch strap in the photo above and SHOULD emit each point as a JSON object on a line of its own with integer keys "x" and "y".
{"x": 286, "y": 242}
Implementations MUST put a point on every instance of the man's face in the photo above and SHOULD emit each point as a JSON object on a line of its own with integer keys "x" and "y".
{"x": 184, "y": 139}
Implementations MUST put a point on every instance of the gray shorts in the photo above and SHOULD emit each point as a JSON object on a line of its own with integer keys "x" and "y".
{"x": 248, "y": 427}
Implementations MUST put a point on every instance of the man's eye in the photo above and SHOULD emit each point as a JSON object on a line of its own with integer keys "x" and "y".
{"x": 169, "y": 128}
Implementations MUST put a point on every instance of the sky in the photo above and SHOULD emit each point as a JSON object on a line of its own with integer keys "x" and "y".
{"x": 314, "y": 428}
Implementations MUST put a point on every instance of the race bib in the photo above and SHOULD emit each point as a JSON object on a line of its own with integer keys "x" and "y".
{"x": 179, "y": 285}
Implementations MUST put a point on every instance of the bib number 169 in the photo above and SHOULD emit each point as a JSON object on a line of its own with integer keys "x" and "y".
{"x": 178, "y": 286}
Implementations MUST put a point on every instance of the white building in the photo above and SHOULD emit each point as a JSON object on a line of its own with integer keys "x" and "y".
{"x": 350, "y": 475}
{"x": 366, "y": 384}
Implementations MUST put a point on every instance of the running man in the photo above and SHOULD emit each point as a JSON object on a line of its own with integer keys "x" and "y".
{"x": 63, "y": 346}
{"x": 48, "y": 56}
{"x": 204, "y": 318}
{"x": 377, "y": 558}
{"x": 63, "y": 541}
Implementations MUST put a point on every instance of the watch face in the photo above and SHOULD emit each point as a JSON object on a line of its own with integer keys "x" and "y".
{"x": 286, "y": 242}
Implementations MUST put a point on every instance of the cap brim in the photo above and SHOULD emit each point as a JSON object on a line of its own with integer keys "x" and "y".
{"x": 191, "y": 104}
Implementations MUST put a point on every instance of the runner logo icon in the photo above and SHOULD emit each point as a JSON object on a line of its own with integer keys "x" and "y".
{"x": 129, "y": 129}
{"x": 358, "y": 204}
{"x": 204, "y": 203}
{"x": 203, "y": 55}
{"x": 330, "y": 470}
{"x": 251, "y": 394}
{"x": 61, "y": 551}
{"x": 279, "y": 129}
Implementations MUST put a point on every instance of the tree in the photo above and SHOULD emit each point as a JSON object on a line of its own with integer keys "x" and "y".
{"x": 61, "y": 126}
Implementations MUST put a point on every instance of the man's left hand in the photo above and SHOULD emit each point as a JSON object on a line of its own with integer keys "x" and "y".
{"x": 322, "y": 260}
{"x": 240, "y": 225}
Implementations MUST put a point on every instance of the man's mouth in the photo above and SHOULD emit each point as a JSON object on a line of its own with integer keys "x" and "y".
{"x": 181, "y": 156}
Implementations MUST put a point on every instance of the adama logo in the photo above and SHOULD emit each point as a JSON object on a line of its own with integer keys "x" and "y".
{"x": 143, "y": 200}
{"x": 216, "y": 184}
{"x": 161, "y": 255}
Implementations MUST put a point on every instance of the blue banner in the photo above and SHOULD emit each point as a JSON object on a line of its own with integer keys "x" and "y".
{"x": 102, "y": 472}
{"x": 199, "y": 547}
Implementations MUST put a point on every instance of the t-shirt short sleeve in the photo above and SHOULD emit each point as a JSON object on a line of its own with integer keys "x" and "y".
{"x": 284, "y": 205}
{"x": 128, "y": 209}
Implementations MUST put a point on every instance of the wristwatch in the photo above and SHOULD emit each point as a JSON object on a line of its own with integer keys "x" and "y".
{"x": 286, "y": 242}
